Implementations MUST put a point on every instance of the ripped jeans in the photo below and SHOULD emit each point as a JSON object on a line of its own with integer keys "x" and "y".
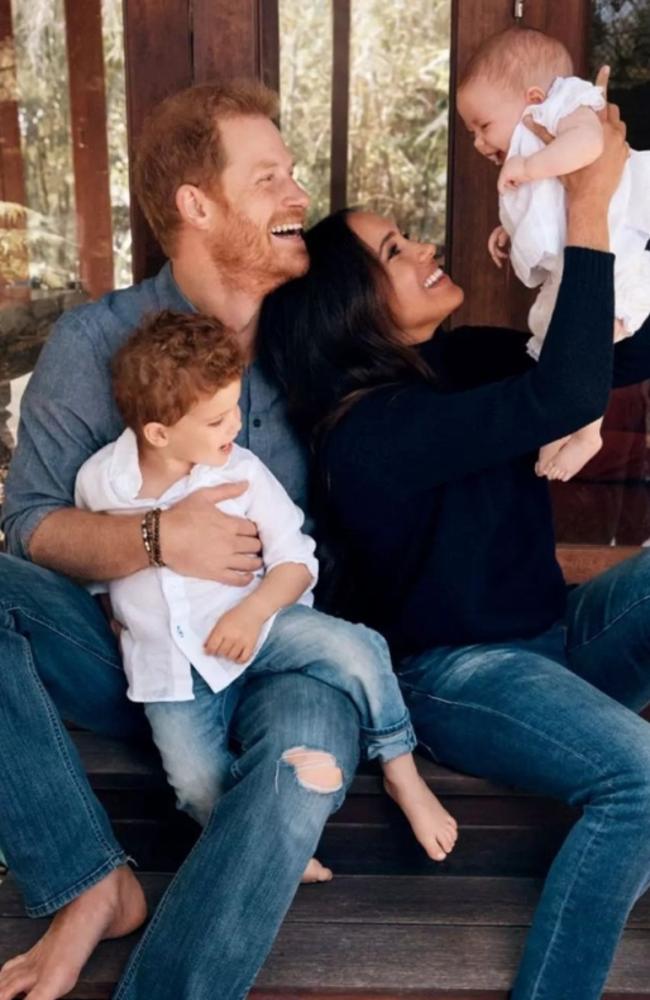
{"x": 218, "y": 919}
{"x": 193, "y": 736}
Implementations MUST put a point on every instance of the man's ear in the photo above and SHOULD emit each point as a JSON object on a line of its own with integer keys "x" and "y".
{"x": 194, "y": 207}
{"x": 155, "y": 434}
{"x": 535, "y": 95}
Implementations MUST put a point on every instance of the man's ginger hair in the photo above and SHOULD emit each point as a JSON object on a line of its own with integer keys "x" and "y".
{"x": 168, "y": 363}
{"x": 181, "y": 144}
{"x": 519, "y": 58}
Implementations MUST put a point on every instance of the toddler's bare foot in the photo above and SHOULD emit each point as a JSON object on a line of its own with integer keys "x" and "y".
{"x": 316, "y": 872}
{"x": 114, "y": 907}
{"x": 432, "y": 825}
{"x": 571, "y": 457}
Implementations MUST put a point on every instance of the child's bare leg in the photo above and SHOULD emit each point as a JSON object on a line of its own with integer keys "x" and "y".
{"x": 574, "y": 453}
{"x": 432, "y": 825}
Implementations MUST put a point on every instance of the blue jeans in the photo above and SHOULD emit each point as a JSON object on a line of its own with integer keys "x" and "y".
{"x": 556, "y": 715}
{"x": 217, "y": 922}
{"x": 193, "y": 736}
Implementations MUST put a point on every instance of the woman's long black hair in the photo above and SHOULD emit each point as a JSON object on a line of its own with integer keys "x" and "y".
{"x": 328, "y": 337}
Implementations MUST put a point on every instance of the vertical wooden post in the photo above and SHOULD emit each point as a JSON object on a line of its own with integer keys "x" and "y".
{"x": 493, "y": 295}
{"x": 158, "y": 63}
{"x": 12, "y": 176}
{"x": 341, "y": 13}
{"x": 83, "y": 25}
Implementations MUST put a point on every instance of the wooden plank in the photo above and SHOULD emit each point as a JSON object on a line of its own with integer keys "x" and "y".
{"x": 394, "y": 900}
{"x": 226, "y": 39}
{"x": 366, "y": 960}
{"x": 12, "y": 174}
{"x": 582, "y": 562}
{"x": 269, "y": 43}
{"x": 341, "y": 13}
{"x": 158, "y": 63}
{"x": 83, "y": 24}
{"x": 492, "y": 295}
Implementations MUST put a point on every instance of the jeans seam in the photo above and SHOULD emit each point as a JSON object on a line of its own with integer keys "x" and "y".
{"x": 57, "y": 631}
{"x": 536, "y": 994}
{"x": 503, "y": 715}
{"x": 609, "y": 625}
{"x": 56, "y": 724}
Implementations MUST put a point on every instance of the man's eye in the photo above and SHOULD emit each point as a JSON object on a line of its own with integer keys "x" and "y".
{"x": 265, "y": 179}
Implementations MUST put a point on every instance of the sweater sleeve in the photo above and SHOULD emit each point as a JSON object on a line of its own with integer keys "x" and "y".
{"x": 427, "y": 437}
{"x": 632, "y": 358}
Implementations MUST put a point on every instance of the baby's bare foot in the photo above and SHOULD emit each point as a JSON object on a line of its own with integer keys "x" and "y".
{"x": 112, "y": 908}
{"x": 316, "y": 872}
{"x": 432, "y": 825}
{"x": 572, "y": 457}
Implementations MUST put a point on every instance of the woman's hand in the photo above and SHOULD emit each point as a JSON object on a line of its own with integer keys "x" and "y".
{"x": 590, "y": 189}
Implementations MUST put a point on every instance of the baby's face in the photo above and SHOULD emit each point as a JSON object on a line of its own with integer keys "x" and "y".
{"x": 491, "y": 114}
{"x": 205, "y": 435}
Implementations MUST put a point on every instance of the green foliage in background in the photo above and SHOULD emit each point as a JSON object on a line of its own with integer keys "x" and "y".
{"x": 44, "y": 117}
{"x": 399, "y": 90}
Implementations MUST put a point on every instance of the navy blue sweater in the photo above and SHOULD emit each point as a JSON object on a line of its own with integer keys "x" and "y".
{"x": 433, "y": 490}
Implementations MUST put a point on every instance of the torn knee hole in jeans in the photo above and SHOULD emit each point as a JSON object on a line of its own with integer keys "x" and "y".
{"x": 315, "y": 770}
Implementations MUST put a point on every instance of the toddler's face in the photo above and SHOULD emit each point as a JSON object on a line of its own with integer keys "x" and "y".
{"x": 491, "y": 114}
{"x": 206, "y": 433}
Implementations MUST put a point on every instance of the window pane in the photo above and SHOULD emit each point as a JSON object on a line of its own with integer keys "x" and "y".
{"x": 399, "y": 111}
{"x": 305, "y": 92}
{"x": 40, "y": 220}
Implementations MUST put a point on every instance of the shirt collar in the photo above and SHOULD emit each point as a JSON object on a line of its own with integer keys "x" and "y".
{"x": 169, "y": 294}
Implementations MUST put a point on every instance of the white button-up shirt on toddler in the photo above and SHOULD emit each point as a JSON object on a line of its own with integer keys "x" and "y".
{"x": 168, "y": 617}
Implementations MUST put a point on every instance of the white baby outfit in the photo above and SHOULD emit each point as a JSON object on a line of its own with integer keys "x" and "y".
{"x": 534, "y": 216}
{"x": 168, "y": 617}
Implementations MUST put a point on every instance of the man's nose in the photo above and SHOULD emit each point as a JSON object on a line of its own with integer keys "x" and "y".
{"x": 296, "y": 195}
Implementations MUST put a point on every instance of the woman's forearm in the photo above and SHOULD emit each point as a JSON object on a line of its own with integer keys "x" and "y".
{"x": 587, "y": 222}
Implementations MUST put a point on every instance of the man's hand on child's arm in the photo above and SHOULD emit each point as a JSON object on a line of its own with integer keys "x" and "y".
{"x": 197, "y": 539}
{"x": 236, "y": 633}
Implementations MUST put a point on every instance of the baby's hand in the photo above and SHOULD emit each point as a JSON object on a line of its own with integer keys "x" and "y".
{"x": 513, "y": 173}
{"x": 235, "y": 634}
{"x": 499, "y": 245}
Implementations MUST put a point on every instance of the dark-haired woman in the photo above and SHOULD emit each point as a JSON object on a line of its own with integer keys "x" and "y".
{"x": 426, "y": 446}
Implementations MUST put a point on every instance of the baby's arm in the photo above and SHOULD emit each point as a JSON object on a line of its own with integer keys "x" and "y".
{"x": 579, "y": 141}
{"x": 236, "y": 633}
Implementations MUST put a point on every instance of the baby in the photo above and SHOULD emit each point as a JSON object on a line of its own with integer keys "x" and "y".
{"x": 187, "y": 642}
{"x": 524, "y": 72}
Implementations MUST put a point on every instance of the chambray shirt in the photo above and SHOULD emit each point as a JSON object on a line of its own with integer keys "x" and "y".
{"x": 68, "y": 411}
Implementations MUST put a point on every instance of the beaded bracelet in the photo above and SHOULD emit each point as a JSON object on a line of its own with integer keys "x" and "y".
{"x": 150, "y": 531}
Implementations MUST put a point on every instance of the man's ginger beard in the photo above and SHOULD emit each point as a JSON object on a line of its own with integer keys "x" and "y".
{"x": 245, "y": 257}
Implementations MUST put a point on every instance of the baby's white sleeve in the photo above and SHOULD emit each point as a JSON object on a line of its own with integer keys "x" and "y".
{"x": 566, "y": 95}
{"x": 86, "y": 498}
{"x": 279, "y": 522}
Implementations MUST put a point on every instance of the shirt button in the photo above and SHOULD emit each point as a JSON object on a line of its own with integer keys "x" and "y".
{"x": 257, "y": 422}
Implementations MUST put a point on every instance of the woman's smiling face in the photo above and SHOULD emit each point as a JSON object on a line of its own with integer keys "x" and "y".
{"x": 421, "y": 294}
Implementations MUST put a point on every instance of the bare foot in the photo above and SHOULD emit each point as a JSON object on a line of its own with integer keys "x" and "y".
{"x": 547, "y": 455}
{"x": 432, "y": 825}
{"x": 314, "y": 872}
{"x": 112, "y": 908}
{"x": 572, "y": 456}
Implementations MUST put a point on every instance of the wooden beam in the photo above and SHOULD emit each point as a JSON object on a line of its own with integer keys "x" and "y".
{"x": 226, "y": 39}
{"x": 491, "y": 295}
{"x": 12, "y": 174}
{"x": 83, "y": 25}
{"x": 583, "y": 562}
{"x": 340, "y": 104}
{"x": 158, "y": 63}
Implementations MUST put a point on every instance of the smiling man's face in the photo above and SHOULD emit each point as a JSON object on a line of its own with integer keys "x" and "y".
{"x": 257, "y": 241}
